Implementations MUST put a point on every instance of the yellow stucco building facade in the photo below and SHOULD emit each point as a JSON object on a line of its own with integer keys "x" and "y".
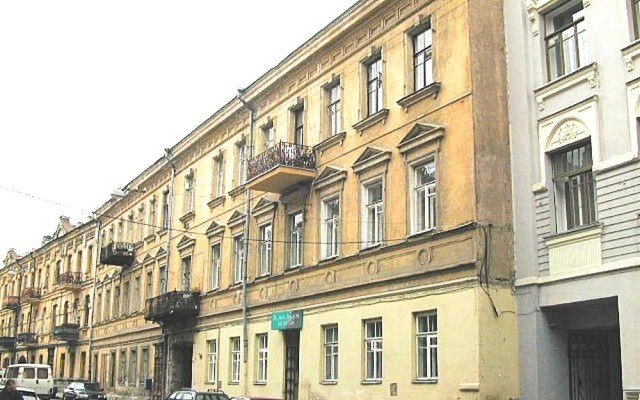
{"x": 340, "y": 228}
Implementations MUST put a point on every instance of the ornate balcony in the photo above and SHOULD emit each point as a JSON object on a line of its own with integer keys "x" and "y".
{"x": 7, "y": 343}
{"x": 280, "y": 167}
{"x": 67, "y": 332}
{"x": 27, "y": 338}
{"x": 31, "y": 295}
{"x": 173, "y": 307}
{"x": 11, "y": 302}
{"x": 118, "y": 253}
{"x": 70, "y": 280}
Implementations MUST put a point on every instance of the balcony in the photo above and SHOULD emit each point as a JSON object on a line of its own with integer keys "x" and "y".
{"x": 7, "y": 343}
{"x": 31, "y": 295}
{"x": 27, "y": 338}
{"x": 119, "y": 253}
{"x": 67, "y": 332}
{"x": 11, "y": 302}
{"x": 280, "y": 167}
{"x": 176, "y": 307}
{"x": 70, "y": 280}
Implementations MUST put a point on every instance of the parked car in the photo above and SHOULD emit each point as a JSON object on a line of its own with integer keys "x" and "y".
{"x": 193, "y": 394}
{"x": 83, "y": 390}
{"x": 254, "y": 398}
{"x": 28, "y": 394}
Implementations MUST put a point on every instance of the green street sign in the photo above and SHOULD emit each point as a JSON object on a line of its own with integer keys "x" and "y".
{"x": 283, "y": 320}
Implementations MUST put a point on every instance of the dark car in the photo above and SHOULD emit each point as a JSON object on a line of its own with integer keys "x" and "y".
{"x": 193, "y": 394}
{"x": 83, "y": 390}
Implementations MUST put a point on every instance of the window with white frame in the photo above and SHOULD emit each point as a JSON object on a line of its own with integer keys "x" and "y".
{"x": 212, "y": 365}
{"x": 574, "y": 187}
{"x": 144, "y": 364}
{"x": 133, "y": 367}
{"x": 268, "y": 136}
{"x": 374, "y": 86}
{"x": 241, "y": 172}
{"x": 566, "y": 40}
{"x": 266, "y": 244}
{"x": 165, "y": 209}
{"x": 218, "y": 170}
{"x": 298, "y": 125}
{"x": 125, "y": 298}
{"x": 263, "y": 357}
{"x": 235, "y": 359}
{"x": 331, "y": 353}
{"x": 136, "y": 294}
{"x": 635, "y": 13}
{"x": 373, "y": 349}
{"x": 296, "y": 237}
{"x": 427, "y": 346}
{"x": 216, "y": 262}
{"x": 152, "y": 216}
{"x": 189, "y": 193}
{"x": 372, "y": 213}
{"x": 162, "y": 276}
{"x": 186, "y": 273}
{"x": 333, "y": 109}
{"x": 424, "y": 196}
{"x": 238, "y": 258}
{"x": 422, "y": 58}
{"x": 330, "y": 227}
{"x": 149, "y": 283}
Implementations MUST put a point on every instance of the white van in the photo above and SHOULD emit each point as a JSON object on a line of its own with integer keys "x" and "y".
{"x": 33, "y": 376}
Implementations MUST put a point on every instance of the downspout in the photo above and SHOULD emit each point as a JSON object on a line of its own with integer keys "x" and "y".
{"x": 245, "y": 300}
{"x": 165, "y": 335}
{"x": 94, "y": 272}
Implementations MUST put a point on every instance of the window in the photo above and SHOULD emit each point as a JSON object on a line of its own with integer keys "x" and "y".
{"x": 372, "y": 214}
{"x": 635, "y": 11}
{"x": 298, "y": 125}
{"x": 268, "y": 136}
{"x": 218, "y": 167}
{"x": 186, "y": 273}
{"x": 573, "y": 181}
{"x": 189, "y": 193}
{"x": 125, "y": 298}
{"x": 98, "y": 317}
{"x": 136, "y": 294}
{"x": 333, "y": 109}
{"x": 122, "y": 377}
{"x": 165, "y": 209}
{"x": 263, "y": 354}
{"x": 152, "y": 217}
{"x": 133, "y": 366}
{"x": 329, "y": 230}
{"x": 144, "y": 364}
{"x": 295, "y": 239}
{"x": 424, "y": 196}
{"x": 422, "y": 62}
{"x": 266, "y": 244}
{"x": 149, "y": 282}
{"x": 373, "y": 350}
{"x": 331, "y": 353}
{"x": 212, "y": 373}
{"x": 215, "y": 266}
{"x": 116, "y": 302}
{"x": 566, "y": 42}
{"x": 427, "y": 346}
{"x": 241, "y": 173}
{"x": 235, "y": 359}
{"x": 107, "y": 305}
{"x": 374, "y": 86}
{"x": 163, "y": 279}
{"x": 238, "y": 258}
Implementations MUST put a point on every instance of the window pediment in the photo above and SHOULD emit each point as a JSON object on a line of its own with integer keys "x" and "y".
{"x": 215, "y": 229}
{"x": 329, "y": 176}
{"x": 236, "y": 219}
{"x": 161, "y": 252}
{"x": 566, "y": 132}
{"x": 264, "y": 206}
{"x": 371, "y": 157}
{"x": 421, "y": 134}
{"x": 186, "y": 242}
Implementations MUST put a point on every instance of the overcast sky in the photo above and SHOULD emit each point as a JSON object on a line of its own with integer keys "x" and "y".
{"x": 91, "y": 92}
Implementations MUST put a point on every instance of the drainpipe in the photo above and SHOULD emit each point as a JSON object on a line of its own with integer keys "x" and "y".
{"x": 165, "y": 335}
{"x": 94, "y": 274}
{"x": 245, "y": 301}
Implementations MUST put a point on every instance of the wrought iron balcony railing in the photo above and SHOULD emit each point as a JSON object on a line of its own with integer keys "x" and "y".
{"x": 70, "y": 279}
{"x": 118, "y": 253}
{"x": 67, "y": 332}
{"x": 31, "y": 294}
{"x": 27, "y": 338}
{"x": 7, "y": 342}
{"x": 172, "y": 307}
{"x": 11, "y": 302}
{"x": 282, "y": 154}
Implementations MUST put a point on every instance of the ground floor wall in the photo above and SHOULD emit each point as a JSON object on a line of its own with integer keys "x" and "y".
{"x": 579, "y": 337}
{"x": 420, "y": 342}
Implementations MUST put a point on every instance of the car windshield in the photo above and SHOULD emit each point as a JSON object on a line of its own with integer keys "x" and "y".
{"x": 94, "y": 387}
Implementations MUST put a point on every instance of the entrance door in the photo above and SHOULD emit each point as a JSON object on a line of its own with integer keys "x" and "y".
{"x": 291, "y": 365}
{"x": 594, "y": 366}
